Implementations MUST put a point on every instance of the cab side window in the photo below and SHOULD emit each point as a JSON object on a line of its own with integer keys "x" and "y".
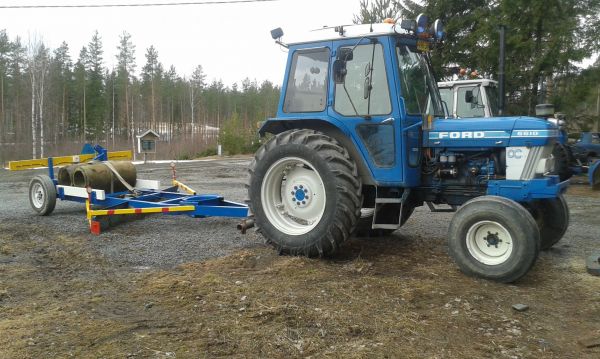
{"x": 365, "y": 89}
{"x": 307, "y": 82}
{"x": 472, "y": 108}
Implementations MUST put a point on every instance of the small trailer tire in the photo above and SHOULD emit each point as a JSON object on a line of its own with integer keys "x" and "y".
{"x": 42, "y": 195}
{"x": 494, "y": 238}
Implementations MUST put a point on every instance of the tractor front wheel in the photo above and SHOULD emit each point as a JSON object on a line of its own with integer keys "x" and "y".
{"x": 494, "y": 238}
{"x": 304, "y": 192}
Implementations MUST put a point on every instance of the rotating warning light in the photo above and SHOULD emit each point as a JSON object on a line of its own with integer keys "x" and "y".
{"x": 437, "y": 30}
{"x": 422, "y": 21}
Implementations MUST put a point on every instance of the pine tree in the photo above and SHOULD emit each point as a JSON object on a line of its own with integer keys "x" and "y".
{"x": 125, "y": 72}
{"x": 96, "y": 92}
{"x": 151, "y": 75}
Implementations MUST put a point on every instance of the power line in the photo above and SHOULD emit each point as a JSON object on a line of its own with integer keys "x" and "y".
{"x": 131, "y": 5}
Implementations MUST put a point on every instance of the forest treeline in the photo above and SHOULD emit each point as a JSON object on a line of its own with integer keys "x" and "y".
{"x": 52, "y": 102}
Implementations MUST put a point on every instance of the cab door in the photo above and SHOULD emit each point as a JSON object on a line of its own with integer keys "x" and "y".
{"x": 363, "y": 102}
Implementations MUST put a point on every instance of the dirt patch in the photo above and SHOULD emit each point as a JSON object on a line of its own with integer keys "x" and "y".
{"x": 377, "y": 298}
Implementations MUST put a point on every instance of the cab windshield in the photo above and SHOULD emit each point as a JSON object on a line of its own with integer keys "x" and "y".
{"x": 417, "y": 84}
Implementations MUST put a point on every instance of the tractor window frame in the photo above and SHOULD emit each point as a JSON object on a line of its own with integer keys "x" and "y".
{"x": 378, "y": 52}
{"x": 291, "y": 82}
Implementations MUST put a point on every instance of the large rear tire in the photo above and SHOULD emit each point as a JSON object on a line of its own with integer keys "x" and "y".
{"x": 552, "y": 217}
{"x": 494, "y": 238}
{"x": 305, "y": 193}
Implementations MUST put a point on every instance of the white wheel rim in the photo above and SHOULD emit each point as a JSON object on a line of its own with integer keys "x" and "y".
{"x": 293, "y": 196}
{"x": 38, "y": 195}
{"x": 489, "y": 242}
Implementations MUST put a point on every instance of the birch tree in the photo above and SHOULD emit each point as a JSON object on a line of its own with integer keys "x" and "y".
{"x": 36, "y": 60}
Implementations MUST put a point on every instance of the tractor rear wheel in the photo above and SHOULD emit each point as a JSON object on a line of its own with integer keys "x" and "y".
{"x": 42, "y": 195}
{"x": 494, "y": 238}
{"x": 305, "y": 192}
{"x": 552, "y": 217}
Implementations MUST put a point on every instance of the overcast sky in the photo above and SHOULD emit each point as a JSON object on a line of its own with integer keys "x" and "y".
{"x": 230, "y": 41}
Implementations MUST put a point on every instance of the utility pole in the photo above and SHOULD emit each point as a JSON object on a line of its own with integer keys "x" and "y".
{"x": 113, "y": 107}
{"x": 501, "y": 75}
{"x": 597, "y": 124}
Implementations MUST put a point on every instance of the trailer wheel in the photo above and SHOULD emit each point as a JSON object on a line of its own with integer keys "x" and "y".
{"x": 552, "y": 217}
{"x": 42, "y": 195}
{"x": 494, "y": 238}
{"x": 305, "y": 193}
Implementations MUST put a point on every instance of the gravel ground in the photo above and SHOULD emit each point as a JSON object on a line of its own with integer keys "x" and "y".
{"x": 167, "y": 241}
{"x": 157, "y": 240}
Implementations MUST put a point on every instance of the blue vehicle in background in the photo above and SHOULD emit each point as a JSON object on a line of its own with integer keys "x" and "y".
{"x": 361, "y": 139}
{"x": 587, "y": 152}
{"x": 587, "y": 148}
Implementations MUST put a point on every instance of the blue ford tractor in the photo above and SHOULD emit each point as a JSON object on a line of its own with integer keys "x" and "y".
{"x": 360, "y": 140}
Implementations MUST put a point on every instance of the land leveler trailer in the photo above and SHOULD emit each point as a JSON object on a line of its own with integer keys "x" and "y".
{"x": 120, "y": 193}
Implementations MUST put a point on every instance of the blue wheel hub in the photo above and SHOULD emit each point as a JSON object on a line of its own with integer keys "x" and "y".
{"x": 300, "y": 195}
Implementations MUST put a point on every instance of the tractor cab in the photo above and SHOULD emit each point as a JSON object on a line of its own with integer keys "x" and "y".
{"x": 372, "y": 82}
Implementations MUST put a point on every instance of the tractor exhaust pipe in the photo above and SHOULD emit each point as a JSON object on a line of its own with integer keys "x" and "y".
{"x": 501, "y": 75}
{"x": 245, "y": 225}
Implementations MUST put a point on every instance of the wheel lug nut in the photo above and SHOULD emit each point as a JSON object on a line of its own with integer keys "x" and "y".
{"x": 298, "y": 203}
{"x": 305, "y": 190}
{"x": 293, "y": 193}
{"x": 296, "y": 187}
{"x": 303, "y": 202}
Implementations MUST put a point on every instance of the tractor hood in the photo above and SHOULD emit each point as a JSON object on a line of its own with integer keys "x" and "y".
{"x": 490, "y": 132}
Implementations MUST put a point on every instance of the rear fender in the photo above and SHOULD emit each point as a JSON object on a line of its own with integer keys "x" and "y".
{"x": 278, "y": 126}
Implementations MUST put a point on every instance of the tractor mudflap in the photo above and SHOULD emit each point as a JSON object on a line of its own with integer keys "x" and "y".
{"x": 594, "y": 175}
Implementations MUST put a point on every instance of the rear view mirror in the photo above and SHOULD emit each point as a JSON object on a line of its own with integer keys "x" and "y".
{"x": 469, "y": 96}
{"x": 276, "y": 33}
{"x": 339, "y": 71}
{"x": 345, "y": 54}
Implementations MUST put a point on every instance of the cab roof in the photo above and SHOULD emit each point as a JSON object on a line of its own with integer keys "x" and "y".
{"x": 484, "y": 82}
{"x": 331, "y": 33}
